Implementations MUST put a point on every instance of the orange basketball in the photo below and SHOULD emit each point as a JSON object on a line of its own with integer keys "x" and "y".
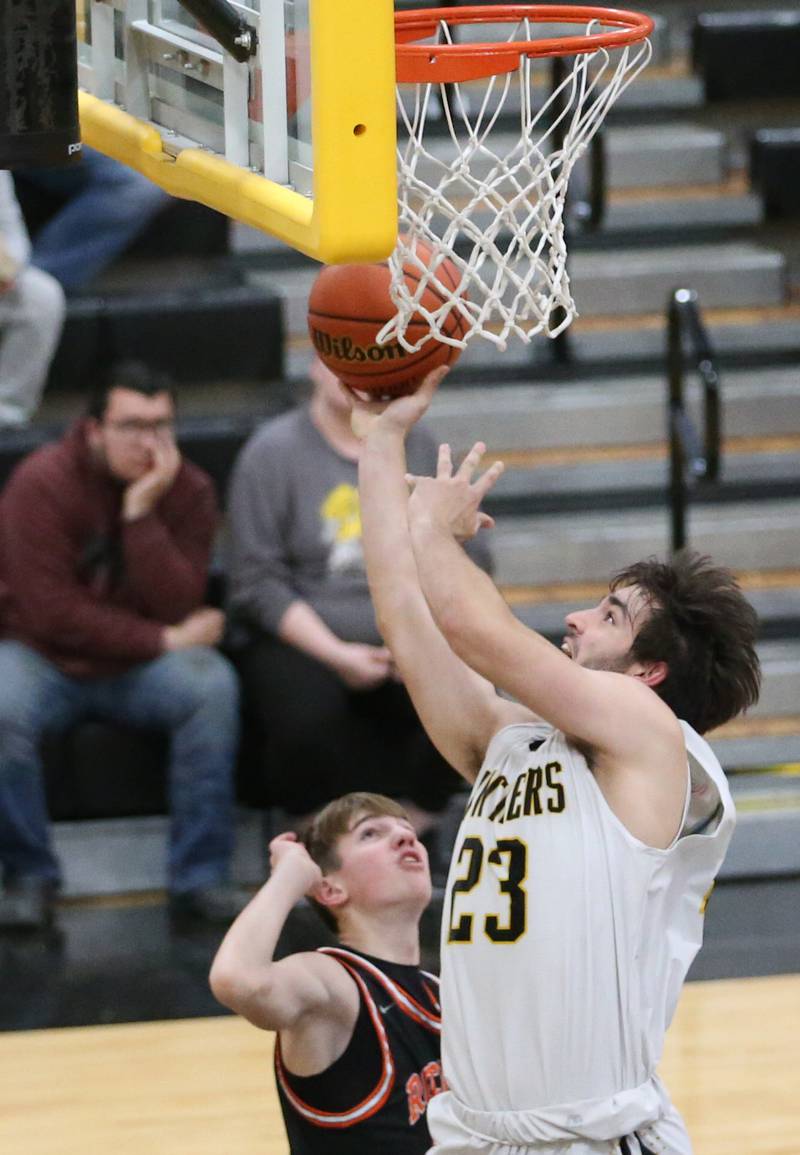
{"x": 349, "y": 305}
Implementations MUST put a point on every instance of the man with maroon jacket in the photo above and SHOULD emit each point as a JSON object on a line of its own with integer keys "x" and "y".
{"x": 105, "y": 539}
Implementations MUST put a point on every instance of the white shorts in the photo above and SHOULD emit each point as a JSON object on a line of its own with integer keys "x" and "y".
{"x": 668, "y": 1136}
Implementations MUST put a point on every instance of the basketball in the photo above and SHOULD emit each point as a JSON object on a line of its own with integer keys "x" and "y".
{"x": 349, "y": 305}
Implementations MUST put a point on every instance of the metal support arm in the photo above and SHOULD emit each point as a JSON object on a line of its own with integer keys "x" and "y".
{"x": 228, "y": 27}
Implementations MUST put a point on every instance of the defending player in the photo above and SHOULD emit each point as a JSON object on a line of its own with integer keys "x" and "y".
{"x": 597, "y": 821}
{"x": 357, "y": 1053}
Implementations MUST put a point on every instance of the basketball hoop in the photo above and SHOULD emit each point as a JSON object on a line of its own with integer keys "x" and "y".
{"x": 497, "y": 212}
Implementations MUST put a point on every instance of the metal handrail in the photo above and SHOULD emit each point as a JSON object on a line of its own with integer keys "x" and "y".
{"x": 691, "y": 459}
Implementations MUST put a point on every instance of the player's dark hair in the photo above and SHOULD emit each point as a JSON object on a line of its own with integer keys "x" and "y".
{"x": 333, "y": 821}
{"x": 135, "y": 375}
{"x": 705, "y": 629}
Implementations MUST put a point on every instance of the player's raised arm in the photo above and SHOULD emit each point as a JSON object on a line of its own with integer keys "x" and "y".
{"x": 305, "y": 991}
{"x": 596, "y": 706}
{"x": 459, "y": 709}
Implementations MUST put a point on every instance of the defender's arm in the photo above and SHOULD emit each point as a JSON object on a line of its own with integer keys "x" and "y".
{"x": 307, "y": 993}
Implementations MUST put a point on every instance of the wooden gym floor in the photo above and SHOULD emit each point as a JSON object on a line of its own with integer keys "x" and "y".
{"x": 83, "y": 1073}
{"x": 204, "y": 1086}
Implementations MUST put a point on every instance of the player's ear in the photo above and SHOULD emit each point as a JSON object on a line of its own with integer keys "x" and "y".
{"x": 651, "y": 673}
{"x": 330, "y": 892}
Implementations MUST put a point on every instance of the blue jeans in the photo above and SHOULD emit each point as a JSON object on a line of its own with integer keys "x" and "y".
{"x": 108, "y": 205}
{"x": 193, "y": 694}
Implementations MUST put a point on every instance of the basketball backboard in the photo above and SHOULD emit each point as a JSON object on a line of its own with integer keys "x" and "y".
{"x": 297, "y": 138}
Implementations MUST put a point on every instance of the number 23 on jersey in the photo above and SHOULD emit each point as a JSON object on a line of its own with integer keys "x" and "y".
{"x": 509, "y": 923}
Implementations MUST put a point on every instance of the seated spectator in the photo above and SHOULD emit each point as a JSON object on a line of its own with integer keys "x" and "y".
{"x": 319, "y": 685}
{"x": 104, "y": 206}
{"x": 31, "y": 316}
{"x": 105, "y": 538}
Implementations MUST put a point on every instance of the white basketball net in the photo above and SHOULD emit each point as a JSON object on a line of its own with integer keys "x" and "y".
{"x": 497, "y": 214}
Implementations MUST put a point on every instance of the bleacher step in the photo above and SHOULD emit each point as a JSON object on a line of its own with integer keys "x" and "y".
{"x": 763, "y": 334}
{"x": 760, "y": 332}
{"x": 765, "y": 840}
{"x": 668, "y": 91}
{"x": 664, "y": 88}
{"x": 587, "y": 547}
{"x": 678, "y": 212}
{"x": 664, "y": 154}
{"x": 129, "y": 855}
{"x": 743, "y": 747}
{"x": 618, "y": 411}
{"x": 780, "y": 690}
{"x": 626, "y": 281}
{"x": 621, "y": 479}
{"x": 635, "y": 281}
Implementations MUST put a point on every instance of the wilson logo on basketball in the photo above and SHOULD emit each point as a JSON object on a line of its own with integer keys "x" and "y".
{"x": 344, "y": 349}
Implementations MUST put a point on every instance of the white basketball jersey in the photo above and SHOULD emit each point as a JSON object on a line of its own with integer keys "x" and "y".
{"x": 566, "y": 940}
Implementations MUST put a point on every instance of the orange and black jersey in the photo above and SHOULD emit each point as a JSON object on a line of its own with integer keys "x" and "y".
{"x": 374, "y": 1096}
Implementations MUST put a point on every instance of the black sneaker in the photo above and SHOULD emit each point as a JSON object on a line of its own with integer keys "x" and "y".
{"x": 216, "y": 904}
{"x": 27, "y": 904}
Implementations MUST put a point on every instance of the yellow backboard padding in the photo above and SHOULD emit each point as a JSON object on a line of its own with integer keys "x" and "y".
{"x": 194, "y": 174}
{"x": 353, "y": 213}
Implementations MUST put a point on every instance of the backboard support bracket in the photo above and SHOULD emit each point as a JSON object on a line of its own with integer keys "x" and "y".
{"x": 351, "y": 214}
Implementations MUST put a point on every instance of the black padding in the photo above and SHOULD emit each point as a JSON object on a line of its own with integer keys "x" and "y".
{"x": 213, "y": 333}
{"x": 99, "y": 770}
{"x": 741, "y": 55}
{"x": 183, "y": 229}
{"x": 103, "y": 771}
{"x": 81, "y": 350}
{"x": 775, "y": 171}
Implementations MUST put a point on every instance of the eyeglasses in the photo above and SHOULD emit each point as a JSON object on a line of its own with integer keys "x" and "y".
{"x": 132, "y": 427}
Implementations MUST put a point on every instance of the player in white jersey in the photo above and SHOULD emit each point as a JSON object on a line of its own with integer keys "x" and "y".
{"x": 597, "y": 821}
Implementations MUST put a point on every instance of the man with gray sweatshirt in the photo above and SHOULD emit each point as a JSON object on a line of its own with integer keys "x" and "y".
{"x": 31, "y": 316}
{"x": 319, "y": 684}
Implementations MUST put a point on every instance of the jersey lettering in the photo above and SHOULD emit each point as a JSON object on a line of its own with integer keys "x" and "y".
{"x": 422, "y": 1087}
{"x": 512, "y": 854}
{"x": 462, "y": 931}
{"x": 557, "y": 803}
{"x": 488, "y": 783}
{"x": 532, "y": 792}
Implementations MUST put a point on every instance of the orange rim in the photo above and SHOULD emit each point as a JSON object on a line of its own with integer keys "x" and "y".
{"x": 450, "y": 63}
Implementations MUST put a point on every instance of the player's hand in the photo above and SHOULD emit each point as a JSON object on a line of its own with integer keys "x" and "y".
{"x": 287, "y": 853}
{"x": 451, "y": 501}
{"x": 363, "y": 667}
{"x": 399, "y": 414}
{"x": 203, "y": 627}
{"x": 142, "y": 496}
